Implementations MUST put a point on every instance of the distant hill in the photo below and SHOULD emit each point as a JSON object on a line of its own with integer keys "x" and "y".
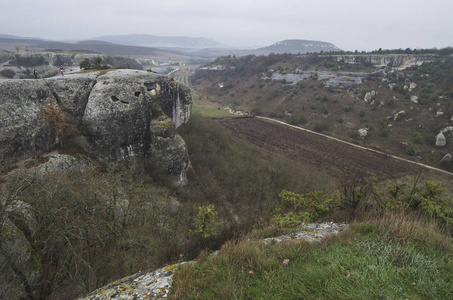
{"x": 9, "y": 36}
{"x": 134, "y": 44}
{"x": 296, "y": 46}
{"x": 8, "y": 43}
{"x": 148, "y": 40}
{"x": 286, "y": 46}
{"x": 146, "y": 44}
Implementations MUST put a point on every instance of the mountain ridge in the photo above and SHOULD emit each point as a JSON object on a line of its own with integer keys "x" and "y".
{"x": 144, "y": 44}
{"x": 148, "y": 40}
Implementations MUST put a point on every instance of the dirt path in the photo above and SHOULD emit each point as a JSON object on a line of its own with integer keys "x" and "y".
{"x": 336, "y": 157}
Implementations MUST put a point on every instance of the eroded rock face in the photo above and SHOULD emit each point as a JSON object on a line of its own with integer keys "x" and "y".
{"x": 397, "y": 61}
{"x": 22, "y": 132}
{"x": 124, "y": 113}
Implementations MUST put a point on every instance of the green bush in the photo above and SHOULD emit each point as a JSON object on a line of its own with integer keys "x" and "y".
{"x": 205, "y": 222}
{"x": 384, "y": 128}
{"x": 410, "y": 150}
{"x": 417, "y": 138}
{"x": 295, "y": 208}
{"x": 360, "y": 195}
{"x": 362, "y": 113}
{"x": 320, "y": 127}
{"x": 297, "y": 120}
{"x": 434, "y": 204}
{"x": 85, "y": 64}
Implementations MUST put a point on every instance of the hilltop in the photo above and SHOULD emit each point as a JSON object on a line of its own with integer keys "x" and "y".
{"x": 298, "y": 46}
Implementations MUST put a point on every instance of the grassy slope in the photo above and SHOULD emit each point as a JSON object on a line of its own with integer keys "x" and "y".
{"x": 387, "y": 258}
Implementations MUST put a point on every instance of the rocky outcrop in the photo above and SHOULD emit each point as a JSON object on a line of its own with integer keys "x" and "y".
{"x": 124, "y": 113}
{"x": 152, "y": 285}
{"x": 395, "y": 61}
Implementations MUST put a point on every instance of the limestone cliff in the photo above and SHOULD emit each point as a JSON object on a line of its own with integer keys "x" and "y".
{"x": 121, "y": 114}
{"x": 395, "y": 61}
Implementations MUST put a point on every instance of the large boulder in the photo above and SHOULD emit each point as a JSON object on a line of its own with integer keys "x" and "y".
{"x": 440, "y": 140}
{"x": 113, "y": 117}
{"x": 363, "y": 132}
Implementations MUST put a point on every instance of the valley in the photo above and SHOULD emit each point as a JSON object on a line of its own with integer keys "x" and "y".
{"x": 397, "y": 104}
{"x": 273, "y": 141}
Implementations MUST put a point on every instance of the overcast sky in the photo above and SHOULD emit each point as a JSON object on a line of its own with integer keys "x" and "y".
{"x": 349, "y": 24}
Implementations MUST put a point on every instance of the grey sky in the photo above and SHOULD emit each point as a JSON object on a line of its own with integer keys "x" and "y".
{"x": 349, "y": 24}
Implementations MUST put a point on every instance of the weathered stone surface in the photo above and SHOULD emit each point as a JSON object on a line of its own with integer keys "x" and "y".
{"x": 22, "y": 132}
{"x": 312, "y": 232}
{"x": 113, "y": 115}
{"x": 152, "y": 285}
{"x": 167, "y": 150}
{"x": 440, "y": 140}
{"x": 71, "y": 93}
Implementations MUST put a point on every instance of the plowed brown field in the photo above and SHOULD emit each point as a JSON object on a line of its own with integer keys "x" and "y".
{"x": 335, "y": 157}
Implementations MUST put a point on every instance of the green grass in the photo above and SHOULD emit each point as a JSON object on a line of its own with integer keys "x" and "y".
{"x": 376, "y": 260}
{"x": 201, "y": 106}
{"x": 206, "y": 108}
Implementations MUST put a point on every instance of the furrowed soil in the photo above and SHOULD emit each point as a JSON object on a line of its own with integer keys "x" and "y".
{"x": 334, "y": 157}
